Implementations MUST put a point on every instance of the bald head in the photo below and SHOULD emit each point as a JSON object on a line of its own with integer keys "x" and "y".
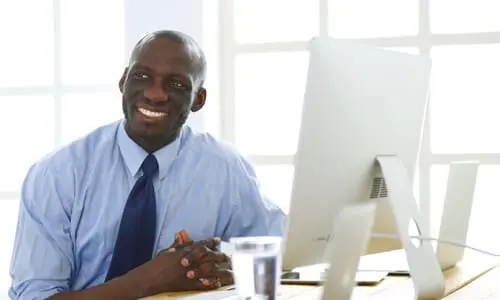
{"x": 192, "y": 48}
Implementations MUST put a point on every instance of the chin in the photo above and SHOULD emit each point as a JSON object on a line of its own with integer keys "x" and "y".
{"x": 149, "y": 131}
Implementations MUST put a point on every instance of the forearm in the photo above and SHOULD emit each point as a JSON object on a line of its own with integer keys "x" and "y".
{"x": 126, "y": 287}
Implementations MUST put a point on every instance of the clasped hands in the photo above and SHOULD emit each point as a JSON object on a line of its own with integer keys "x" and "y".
{"x": 204, "y": 263}
{"x": 188, "y": 266}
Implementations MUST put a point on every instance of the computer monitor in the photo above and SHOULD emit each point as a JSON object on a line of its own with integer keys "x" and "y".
{"x": 360, "y": 135}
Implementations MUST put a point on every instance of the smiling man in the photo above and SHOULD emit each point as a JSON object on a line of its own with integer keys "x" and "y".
{"x": 95, "y": 215}
{"x": 162, "y": 109}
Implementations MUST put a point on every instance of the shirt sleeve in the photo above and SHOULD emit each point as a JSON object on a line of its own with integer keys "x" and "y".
{"x": 42, "y": 259}
{"x": 252, "y": 213}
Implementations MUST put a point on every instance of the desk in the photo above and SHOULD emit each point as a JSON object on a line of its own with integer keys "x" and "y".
{"x": 474, "y": 278}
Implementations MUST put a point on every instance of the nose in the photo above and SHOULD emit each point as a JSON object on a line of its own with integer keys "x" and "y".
{"x": 155, "y": 92}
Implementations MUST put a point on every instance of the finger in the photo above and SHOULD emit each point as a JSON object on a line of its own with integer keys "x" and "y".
{"x": 225, "y": 277}
{"x": 193, "y": 274}
{"x": 178, "y": 239}
{"x": 202, "y": 271}
{"x": 209, "y": 243}
{"x": 207, "y": 283}
{"x": 218, "y": 279}
{"x": 184, "y": 237}
{"x": 224, "y": 266}
{"x": 165, "y": 251}
{"x": 194, "y": 255}
{"x": 168, "y": 250}
{"x": 209, "y": 270}
{"x": 206, "y": 269}
{"x": 176, "y": 242}
{"x": 202, "y": 255}
{"x": 215, "y": 257}
{"x": 201, "y": 284}
{"x": 198, "y": 251}
{"x": 192, "y": 245}
{"x": 173, "y": 248}
{"x": 184, "y": 247}
{"x": 213, "y": 243}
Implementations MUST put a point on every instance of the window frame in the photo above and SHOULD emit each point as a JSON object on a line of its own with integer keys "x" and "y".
{"x": 424, "y": 40}
{"x": 57, "y": 90}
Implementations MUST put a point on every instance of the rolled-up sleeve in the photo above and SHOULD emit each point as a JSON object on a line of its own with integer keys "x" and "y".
{"x": 252, "y": 212}
{"x": 42, "y": 259}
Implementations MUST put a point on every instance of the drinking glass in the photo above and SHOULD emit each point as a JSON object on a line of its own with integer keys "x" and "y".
{"x": 256, "y": 265}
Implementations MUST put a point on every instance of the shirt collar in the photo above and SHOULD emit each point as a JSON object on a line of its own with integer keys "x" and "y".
{"x": 134, "y": 155}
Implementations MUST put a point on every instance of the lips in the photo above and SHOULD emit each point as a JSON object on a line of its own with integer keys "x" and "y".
{"x": 151, "y": 113}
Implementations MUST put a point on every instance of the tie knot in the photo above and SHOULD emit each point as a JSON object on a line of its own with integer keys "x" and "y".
{"x": 150, "y": 165}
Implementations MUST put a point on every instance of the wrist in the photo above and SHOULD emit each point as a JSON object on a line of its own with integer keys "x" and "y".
{"x": 134, "y": 285}
{"x": 141, "y": 281}
{"x": 121, "y": 288}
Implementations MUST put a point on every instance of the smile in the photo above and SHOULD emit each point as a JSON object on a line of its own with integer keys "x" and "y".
{"x": 151, "y": 114}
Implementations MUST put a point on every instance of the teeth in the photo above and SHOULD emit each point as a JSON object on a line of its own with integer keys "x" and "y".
{"x": 152, "y": 114}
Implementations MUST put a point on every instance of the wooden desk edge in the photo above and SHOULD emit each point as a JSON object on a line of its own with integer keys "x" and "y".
{"x": 456, "y": 279}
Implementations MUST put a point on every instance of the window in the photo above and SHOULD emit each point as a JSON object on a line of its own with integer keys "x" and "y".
{"x": 35, "y": 23}
{"x": 464, "y": 16}
{"x": 484, "y": 215}
{"x": 297, "y": 21}
{"x": 263, "y": 71}
{"x": 372, "y": 19}
{"x": 277, "y": 183}
{"x": 263, "y": 96}
{"x": 77, "y": 107}
{"x": 30, "y": 128}
{"x": 465, "y": 102}
{"x": 58, "y": 81}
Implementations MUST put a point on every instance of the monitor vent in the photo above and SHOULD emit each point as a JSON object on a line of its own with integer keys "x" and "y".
{"x": 379, "y": 188}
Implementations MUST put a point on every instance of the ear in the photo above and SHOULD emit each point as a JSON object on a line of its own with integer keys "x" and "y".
{"x": 122, "y": 80}
{"x": 199, "y": 100}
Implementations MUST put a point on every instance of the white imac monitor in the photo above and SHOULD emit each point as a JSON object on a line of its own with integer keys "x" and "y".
{"x": 361, "y": 129}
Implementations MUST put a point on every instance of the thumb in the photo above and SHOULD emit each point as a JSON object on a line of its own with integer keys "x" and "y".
{"x": 177, "y": 241}
{"x": 172, "y": 247}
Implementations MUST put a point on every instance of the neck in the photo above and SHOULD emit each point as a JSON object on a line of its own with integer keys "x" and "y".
{"x": 152, "y": 144}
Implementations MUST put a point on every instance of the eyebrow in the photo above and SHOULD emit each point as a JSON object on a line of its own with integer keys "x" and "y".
{"x": 136, "y": 66}
{"x": 140, "y": 66}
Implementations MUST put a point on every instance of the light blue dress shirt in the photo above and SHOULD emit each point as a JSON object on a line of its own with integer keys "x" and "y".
{"x": 72, "y": 203}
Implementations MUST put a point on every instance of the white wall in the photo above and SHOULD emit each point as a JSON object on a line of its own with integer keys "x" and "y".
{"x": 188, "y": 16}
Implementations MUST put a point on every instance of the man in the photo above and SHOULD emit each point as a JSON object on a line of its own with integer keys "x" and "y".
{"x": 96, "y": 215}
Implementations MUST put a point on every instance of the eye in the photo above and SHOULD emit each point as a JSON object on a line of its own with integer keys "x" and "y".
{"x": 177, "y": 84}
{"x": 140, "y": 75}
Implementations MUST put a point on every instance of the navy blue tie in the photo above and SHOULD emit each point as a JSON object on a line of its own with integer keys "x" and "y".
{"x": 136, "y": 236}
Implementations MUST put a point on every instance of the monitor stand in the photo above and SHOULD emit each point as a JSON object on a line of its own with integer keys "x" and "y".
{"x": 455, "y": 217}
{"x": 457, "y": 211}
{"x": 424, "y": 268}
{"x": 423, "y": 265}
{"x": 351, "y": 228}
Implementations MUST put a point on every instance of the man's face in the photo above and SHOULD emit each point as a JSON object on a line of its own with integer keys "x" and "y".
{"x": 159, "y": 91}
